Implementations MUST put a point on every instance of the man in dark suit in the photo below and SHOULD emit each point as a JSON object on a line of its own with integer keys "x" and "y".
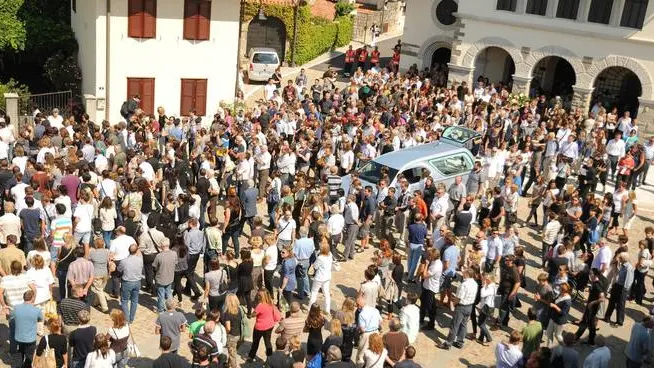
{"x": 249, "y": 203}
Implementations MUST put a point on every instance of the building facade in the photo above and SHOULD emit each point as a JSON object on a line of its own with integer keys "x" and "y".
{"x": 582, "y": 50}
{"x": 178, "y": 54}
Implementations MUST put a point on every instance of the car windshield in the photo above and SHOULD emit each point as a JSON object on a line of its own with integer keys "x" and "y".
{"x": 262, "y": 58}
{"x": 372, "y": 172}
{"x": 459, "y": 134}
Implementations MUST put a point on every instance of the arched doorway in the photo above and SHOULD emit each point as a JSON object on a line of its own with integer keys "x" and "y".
{"x": 553, "y": 76}
{"x": 270, "y": 32}
{"x": 496, "y": 65}
{"x": 439, "y": 69}
{"x": 619, "y": 87}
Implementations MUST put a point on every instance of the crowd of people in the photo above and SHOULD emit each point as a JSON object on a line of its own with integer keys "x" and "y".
{"x": 96, "y": 213}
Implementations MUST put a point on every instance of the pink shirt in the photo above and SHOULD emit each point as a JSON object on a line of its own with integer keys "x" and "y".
{"x": 266, "y": 316}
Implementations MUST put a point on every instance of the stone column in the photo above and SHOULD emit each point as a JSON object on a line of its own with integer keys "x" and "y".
{"x": 458, "y": 73}
{"x": 91, "y": 107}
{"x": 616, "y": 12}
{"x": 553, "y": 7}
{"x": 11, "y": 99}
{"x": 521, "y": 84}
{"x": 581, "y": 98}
{"x": 584, "y": 10}
{"x": 521, "y": 7}
{"x": 645, "y": 117}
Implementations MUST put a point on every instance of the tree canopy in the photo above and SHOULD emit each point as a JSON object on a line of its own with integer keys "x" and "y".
{"x": 12, "y": 29}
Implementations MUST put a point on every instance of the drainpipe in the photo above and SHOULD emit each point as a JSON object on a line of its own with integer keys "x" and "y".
{"x": 107, "y": 105}
{"x": 295, "y": 15}
{"x": 238, "y": 52}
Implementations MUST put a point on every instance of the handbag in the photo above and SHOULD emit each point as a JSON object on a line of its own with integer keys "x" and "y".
{"x": 246, "y": 329}
{"x": 47, "y": 359}
{"x": 50, "y": 310}
{"x": 133, "y": 349}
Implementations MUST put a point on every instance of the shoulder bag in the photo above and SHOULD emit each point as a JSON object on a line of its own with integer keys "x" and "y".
{"x": 156, "y": 247}
{"x": 132, "y": 349}
{"x": 47, "y": 359}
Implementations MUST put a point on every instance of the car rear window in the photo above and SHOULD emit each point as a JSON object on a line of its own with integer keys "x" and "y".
{"x": 262, "y": 58}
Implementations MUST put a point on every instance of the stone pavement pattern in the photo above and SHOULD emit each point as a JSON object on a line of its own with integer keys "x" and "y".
{"x": 346, "y": 282}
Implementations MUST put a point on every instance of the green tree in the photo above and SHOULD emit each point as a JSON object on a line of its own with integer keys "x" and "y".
{"x": 12, "y": 28}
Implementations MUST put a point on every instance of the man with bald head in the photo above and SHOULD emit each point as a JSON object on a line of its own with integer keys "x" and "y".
{"x": 206, "y": 340}
{"x": 131, "y": 270}
{"x": 119, "y": 250}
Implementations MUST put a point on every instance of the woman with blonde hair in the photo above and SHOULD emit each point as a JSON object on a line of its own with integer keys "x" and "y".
{"x": 257, "y": 253}
{"x": 40, "y": 248}
{"x": 43, "y": 279}
{"x": 347, "y": 317}
{"x": 335, "y": 337}
{"x": 232, "y": 317}
{"x": 119, "y": 333}
{"x": 64, "y": 259}
{"x": 629, "y": 212}
{"x": 266, "y": 317}
{"x": 322, "y": 276}
{"x": 376, "y": 354}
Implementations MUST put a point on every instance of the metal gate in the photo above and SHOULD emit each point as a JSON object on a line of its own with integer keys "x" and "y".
{"x": 270, "y": 32}
{"x": 44, "y": 103}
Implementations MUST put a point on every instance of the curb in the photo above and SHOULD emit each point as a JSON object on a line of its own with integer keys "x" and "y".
{"x": 326, "y": 57}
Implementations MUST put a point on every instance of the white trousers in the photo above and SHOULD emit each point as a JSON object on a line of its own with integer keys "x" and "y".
{"x": 315, "y": 287}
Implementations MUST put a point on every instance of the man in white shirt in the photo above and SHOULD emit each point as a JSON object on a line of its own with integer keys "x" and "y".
{"x": 56, "y": 120}
{"x": 119, "y": 248}
{"x": 285, "y": 230}
{"x": 465, "y": 299}
{"x": 335, "y": 226}
{"x": 147, "y": 171}
{"x": 10, "y": 224}
{"x": 569, "y": 148}
{"x": 615, "y": 148}
{"x": 410, "y": 317}
{"x": 262, "y": 159}
{"x": 107, "y": 187}
{"x": 439, "y": 207}
{"x": 494, "y": 253}
{"x": 649, "y": 158}
{"x": 602, "y": 260}
{"x": 508, "y": 354}
{"x": 269, "y": 89}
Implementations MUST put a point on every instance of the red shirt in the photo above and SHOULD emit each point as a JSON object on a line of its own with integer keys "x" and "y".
{"x": 266, "y": 316}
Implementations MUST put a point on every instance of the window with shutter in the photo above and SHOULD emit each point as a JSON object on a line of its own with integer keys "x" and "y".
{"x": 509, "y": 5}
{"x": 600, "y": 11}
{"x": 142, "y": 18}
{"x": 144, "y": 88}
{"x": 567, "y": 9}
{"x": 193, "y": 96}
{"x": 633, "y": 15}
{"x": 197, "y": 19}
{"x": 538, "y": 7}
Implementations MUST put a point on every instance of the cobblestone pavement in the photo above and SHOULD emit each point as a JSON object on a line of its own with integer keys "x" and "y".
{"x": 345, "y": 283}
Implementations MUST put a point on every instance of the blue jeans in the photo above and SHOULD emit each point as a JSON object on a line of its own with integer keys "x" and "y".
{"x": 129, "y": 292}
{"x": 106, "y": 235}
{"x": 121, "y": 359}
{"x": 271, "y": 214}
{"x": 163, "y": 293}
{"x": 77, "y": 364}
{"x": 415, "y": 251}
{"x": 303, "y": 289}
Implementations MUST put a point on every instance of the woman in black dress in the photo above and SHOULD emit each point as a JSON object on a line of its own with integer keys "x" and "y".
{"x": 313, "y": 325}
{"x": 245, "y": 282}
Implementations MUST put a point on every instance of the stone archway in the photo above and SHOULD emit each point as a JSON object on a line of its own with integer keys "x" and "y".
{"x": 554, "y": 76}
{"x": 617, "y": 86}
{"x": 622, "y": 61}
{"x": 495, "y": 64}
{"x": 470, "y": 56}
{"x": 430, "y": 46}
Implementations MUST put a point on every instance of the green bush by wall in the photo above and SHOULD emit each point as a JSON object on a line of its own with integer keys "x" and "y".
{"x": 315, "y": 35}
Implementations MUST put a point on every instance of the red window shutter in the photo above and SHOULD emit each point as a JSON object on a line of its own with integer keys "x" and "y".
{"x": 135, "y": 18}
{"x": 149, "y": 19}
{"x": 147, "y": 95}
{"x": 188, "y": 94}
{"x": 200, "y": 97}
{"x": 190, "y": 19}
{"x": 204, "y": 20}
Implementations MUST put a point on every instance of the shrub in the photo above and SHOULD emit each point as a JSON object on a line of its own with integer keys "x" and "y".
{"x": 343, "y": 8}
{"x": 12, "y": 86}
{"x": 63, "y": 72}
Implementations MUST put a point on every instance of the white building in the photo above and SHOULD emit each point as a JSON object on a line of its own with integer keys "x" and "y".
{"x": 583, "y": 50}
{"x": 179, "y": 54}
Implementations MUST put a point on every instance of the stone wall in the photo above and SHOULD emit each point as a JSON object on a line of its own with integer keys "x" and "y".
{"x": 387, "y": 18}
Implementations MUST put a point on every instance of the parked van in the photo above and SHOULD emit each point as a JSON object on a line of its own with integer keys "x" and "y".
{"x": 263, "y": 62}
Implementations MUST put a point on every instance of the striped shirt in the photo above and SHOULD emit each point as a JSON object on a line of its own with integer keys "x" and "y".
{"x": 59, "y": 227}
{"x": 80, "y": 271}
{"x": 333, "y": 183}
{"x": 15, "y": 287}
{"x": 69, "y": 308}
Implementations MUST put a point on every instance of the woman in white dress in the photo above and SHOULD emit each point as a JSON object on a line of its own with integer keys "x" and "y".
{"x": 101, "y": 356}
{"x": 629, "y": 212}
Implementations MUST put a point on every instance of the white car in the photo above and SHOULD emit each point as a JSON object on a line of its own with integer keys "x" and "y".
{"x": 263, "y": 63}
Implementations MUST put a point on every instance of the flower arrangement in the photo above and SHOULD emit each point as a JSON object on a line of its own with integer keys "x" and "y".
{"x": 519, "y": 99}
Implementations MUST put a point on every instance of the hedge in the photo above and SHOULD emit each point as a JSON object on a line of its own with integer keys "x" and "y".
{"x": 315, "y": 35}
